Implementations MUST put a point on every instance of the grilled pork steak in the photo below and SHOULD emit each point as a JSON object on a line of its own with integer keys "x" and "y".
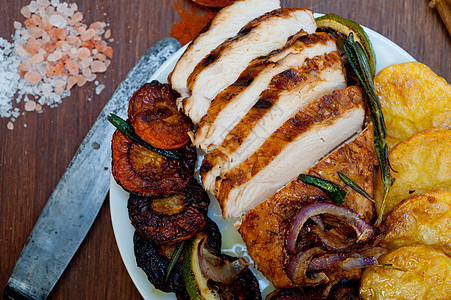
{"x": 287, "y": 93}
{"x": 227, "y": 23}
{"x": 229, "y": 106}
{"x": 312, "y": 133}
{"x": 264, "y": 227}
{"x": 225, "y": 63}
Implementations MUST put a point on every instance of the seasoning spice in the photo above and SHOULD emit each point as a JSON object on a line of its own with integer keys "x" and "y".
{"x": 194, "y": 18}
{"x": 52, "y": 51}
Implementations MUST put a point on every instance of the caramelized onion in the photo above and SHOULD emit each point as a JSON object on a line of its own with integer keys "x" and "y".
{"x": 219, "y": 268}
{"x": 357, "y": 261}
{"x": 326, "y": 261}
{"x": 298, "y": 264}
{"x": 362, "y": 230}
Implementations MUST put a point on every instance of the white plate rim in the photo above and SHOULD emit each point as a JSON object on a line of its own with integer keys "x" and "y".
{"x": 387, "y": 53}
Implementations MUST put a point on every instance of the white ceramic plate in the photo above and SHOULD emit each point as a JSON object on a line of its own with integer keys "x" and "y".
{"x": 387, "y": 53}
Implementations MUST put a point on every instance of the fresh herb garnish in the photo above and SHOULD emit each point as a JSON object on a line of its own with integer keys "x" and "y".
{"x": 174, "y": 258}
{"x": 359, "y": 63}
{"x": 390, "y": 266}
{"x": 331, "y": 189}
{"x": 352, "y": 184}
{"x": 128, "y": 130}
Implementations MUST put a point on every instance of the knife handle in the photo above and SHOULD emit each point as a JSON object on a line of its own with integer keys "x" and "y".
{"x": 10, "y": 293}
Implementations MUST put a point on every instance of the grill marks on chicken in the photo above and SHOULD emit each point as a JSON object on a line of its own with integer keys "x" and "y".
{"x": 287, "y": 93}
{"x": 229, "y": 106}
{"x": 225, "y": 63}
{"x": 226, "y": 24}
{"x": 312, "y": 133}
{"x": 264, "y": 228}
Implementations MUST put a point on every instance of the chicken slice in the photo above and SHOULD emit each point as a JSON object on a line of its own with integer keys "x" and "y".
{"x": 230, "y": 106}
{"x": 227, "y": 23}
{"x": 264, "y": 228}
{"x": 288, "y": 92}
{"x": 312, "y": 133}
{"x": 224, "y": 64}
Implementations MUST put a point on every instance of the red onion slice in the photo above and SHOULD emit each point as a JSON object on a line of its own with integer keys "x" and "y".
{"x": 357, "y": 261}
{"x": 297, "y": 268}
{"x": 222, "y": 268}
{"x": 363, "y": 230}
{"x": 326, "y": 261}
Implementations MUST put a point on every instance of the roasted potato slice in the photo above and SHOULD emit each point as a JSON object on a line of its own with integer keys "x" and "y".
{"x": 421, "y": 163}
{"x": 424, "y": 273}
{"x": 424, "y": 218}
{"x": 413, "y": 98}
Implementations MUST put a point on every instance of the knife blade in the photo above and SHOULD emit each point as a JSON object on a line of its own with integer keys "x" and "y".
{"x": 80, "y": 193}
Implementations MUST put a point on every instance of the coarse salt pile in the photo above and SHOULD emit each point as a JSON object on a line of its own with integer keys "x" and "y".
{"x": 52, "y": 51}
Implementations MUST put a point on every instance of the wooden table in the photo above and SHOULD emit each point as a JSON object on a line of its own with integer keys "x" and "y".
{"x": 36, "y": 153}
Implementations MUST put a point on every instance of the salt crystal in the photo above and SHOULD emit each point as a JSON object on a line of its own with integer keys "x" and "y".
{"x": 86, "y": 72}
{"x": 83, "y": 53}
{"x": 58, "y": 21}
{"x": 17, "y": 25}
{"x": 88, "y": 34}
{"x": 85, "y": 63}
{"x": 96, "y": 82}
{"x": 99, "y": 89}
{"x": 62, "y": 7}
{"x": 37, "y": 58}
{"x": 44, "y": 3}
{"x": 98, "y": 66}
{"x": 107, "y": 34}
{"x": 91, "y": 77}
{"x": 38, "y": 107}
{"x": 10, "y": 125}
{"x": 30, "y": 105}
{"x": 55, "y": 3}
{"x": 32, "y": 77}
{"x": 33, "y": 6}
{"x": 25, "y": 11}
{"x": 25, "y": 125}
{"x": 21, "y": 51}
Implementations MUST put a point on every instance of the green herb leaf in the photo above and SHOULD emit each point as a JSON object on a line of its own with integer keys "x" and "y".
{"x": 174, "y": 258}
{"x": 128, "y": 130}
{"x": 352, "y": 184}
{"x": 390, "y": 266}
{"x": 331, "y": 189}
{"x": 359, "y": 62}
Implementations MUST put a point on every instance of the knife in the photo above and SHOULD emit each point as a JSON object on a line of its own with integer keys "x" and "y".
{"x": 80, "y": 193}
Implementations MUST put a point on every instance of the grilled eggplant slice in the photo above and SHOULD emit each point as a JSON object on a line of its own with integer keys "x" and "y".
{"x": 147, "y": 173}
{"x": 170, "y": 219}
{"x": 154, "y": 116}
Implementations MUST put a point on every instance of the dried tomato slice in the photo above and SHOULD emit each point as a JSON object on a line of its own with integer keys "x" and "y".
{"x": 154, "y": 115}
{"x": 144, "y": 172}
{"x": 170, "y": 219}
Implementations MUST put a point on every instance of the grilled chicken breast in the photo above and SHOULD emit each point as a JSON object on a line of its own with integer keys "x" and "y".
{"x": 231, "y": 105}
{"x": 226, "y": 24}
{"x": 225, "y": 63}
{"x": 264, "y": 228}
{"x": 287, "y": 93}
{"x": 312, "y": 133}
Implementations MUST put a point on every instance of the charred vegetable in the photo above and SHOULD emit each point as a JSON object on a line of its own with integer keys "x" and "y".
{"x": 155, "y": 264}
{"x": 154, "y": 115}
{"x": 208, "y": 274}
{"x": 147, "y": 173}
{"x": 170, "y": 219}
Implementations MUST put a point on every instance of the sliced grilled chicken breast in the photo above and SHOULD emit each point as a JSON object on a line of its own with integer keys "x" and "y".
{"x": 224, "y": 64}
{"x": 301, "y": 141}
{"x": 288, "y": 92}
{"x": 264, "y": 228}
{"x": 227, "y": 23}
{"x": 229, "y": 106}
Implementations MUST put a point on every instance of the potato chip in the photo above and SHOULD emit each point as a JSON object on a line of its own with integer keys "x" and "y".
{"x": 421, "y": 163}
{"x": 424, "y": 218}
{"x": 424, "y": 273}
{"x": 413, "y": 98}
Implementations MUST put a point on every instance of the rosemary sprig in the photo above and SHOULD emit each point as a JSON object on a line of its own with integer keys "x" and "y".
{"x": 390, "y": 266}
{"x": 352, "y": 184}
{"x": 174, "y": 258}
{"x": 359, "y": 63}
{"x": 128, "y": 130}
{"x": 331, "y": 189}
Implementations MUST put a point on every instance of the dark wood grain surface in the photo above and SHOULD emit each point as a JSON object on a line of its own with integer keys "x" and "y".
{"x": 36, "y": 153}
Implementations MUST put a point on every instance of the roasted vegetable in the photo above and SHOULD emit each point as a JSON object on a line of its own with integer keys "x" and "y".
{"x": 170, "y": 219}
{"x": 155, "y": 264}
{"x": 226, "y": 278}
{"x": 335, "y": 24}
{"x": 154, "y": 116}
{"x": 147, "y": 173}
